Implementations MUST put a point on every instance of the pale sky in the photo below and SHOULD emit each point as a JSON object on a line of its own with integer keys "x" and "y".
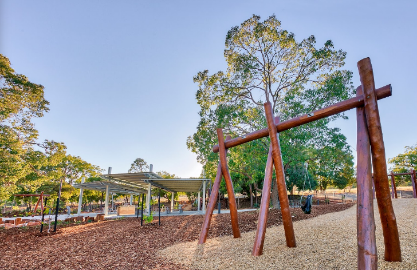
{"x": 119, "y": 74}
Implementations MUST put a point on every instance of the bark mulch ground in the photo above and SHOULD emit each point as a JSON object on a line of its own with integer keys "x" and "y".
{"x": 123, "y": 244}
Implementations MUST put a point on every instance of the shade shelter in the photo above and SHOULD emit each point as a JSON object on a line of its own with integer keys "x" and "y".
{"x": 147, "y": 180}
{"x": 142, "y": 183}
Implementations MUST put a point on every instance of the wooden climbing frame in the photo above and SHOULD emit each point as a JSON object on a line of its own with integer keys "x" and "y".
{"x": 412, "y": 173}
{"x": 370, "y": 150}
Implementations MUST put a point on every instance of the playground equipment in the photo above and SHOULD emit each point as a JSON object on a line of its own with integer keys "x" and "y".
{"x": 369, "y": 137}
{"x": 412, "y": 173}
{"x": 40, "y": 200}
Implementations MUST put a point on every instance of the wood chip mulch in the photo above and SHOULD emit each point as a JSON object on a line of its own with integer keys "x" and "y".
{"x": 123, "y": 244}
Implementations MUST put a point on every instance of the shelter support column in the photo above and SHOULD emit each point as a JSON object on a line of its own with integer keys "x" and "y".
{"x": 386, "y": 210}
{"x": 198, "y": 201}
{"x": 106, "y": 202}
{"x": 131, "y": 199}
{"x": 367, "y": 252}
{"x": 148, "y": 199}
{"x": 279, "y": 169}
{"x": 204, "y": 196}
{"x": 80, "y": 200}
{"x": 172, "y": 200}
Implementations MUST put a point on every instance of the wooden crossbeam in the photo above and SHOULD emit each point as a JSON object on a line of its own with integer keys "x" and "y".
{"x": 345, "y": 105}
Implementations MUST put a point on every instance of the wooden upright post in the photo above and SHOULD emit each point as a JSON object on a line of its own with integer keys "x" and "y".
{"x": 414, "y": 182}
{"x": 229, "y": 184}
{"x": 211, "y": 204}
{"x": 367, "y": 253}
{"x": 393, "y": 187}
{"x": 386, "y": 211}
{"x": 279, "y": 170}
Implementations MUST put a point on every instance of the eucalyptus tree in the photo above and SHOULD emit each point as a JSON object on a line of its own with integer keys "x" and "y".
{"x": 20, "y": 101}
{"x": 265, "y": 63}
{"x": 139, "y": 165}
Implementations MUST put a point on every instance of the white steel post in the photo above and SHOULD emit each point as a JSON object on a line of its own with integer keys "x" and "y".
{"x": 204, "y": 196}
{"x": 172, "y": 200}
{"x": 148, "y": 200}
{"x": 112, "y": 201}
{"x": 198, "y": 201}
{"x": 131, "y": 199}
{"x": 80, "y": 200}
{"x": 106, "y": 202}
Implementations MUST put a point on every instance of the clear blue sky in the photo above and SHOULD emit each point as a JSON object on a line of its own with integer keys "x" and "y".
{"x": 119, "y": 74}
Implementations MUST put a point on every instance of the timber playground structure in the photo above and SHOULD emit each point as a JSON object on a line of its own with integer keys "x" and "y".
{"x": 370, "y": 146}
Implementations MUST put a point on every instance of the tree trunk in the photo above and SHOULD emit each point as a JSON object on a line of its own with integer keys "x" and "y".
{"x": 274, "y": 195}
{"x": 251, "y": 195}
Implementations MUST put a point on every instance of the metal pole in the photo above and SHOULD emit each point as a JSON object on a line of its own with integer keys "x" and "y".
{"x": 159, "y": 207}
{"x": 148, "y": 199}
{"x": 137, "y": 213}
{"x": 106, "y": 202}
{"x": 57, "y": 205}
{"x": 219, "y": 204}
{"x": 141, "y": 212}
{"x": 198, "y": 201}
{"x": 80, "y": 200}
{"x": 43, "y": 214}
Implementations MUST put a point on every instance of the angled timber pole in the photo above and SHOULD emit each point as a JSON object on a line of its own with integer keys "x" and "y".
{"x": 367, "y": 252}
{"x": 229, "y": 185}
{"x": 393, "y": 187}
{"x": 386, "y": 210}
{"x": 263, "y": 210}
{"x": 211, "y": 204}
{"x": 264, "y": 207}
{"x": 279, "y": 170}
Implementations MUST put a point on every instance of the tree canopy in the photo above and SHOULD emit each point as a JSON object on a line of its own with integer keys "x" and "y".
{"x": 27, "y": 165}
{"x": 404, "y": 163}
{"x": 266, "y": 63}
{"x": 139, "y": 165}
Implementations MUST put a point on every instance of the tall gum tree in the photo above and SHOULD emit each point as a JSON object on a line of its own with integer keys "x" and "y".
{"x": 266, "y": 63}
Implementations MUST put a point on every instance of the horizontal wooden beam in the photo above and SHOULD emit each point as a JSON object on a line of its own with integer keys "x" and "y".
{"x": 342, "y": 106}
{"x": 396, "y": 174}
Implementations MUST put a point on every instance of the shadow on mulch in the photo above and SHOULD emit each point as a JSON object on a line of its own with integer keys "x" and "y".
{"x": 123, "y": 244}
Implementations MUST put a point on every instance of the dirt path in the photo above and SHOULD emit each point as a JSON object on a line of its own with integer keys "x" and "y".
{"x": 325, "y": 242}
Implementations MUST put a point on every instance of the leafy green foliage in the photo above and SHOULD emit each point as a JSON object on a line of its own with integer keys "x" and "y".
{"x": 266, "y": 63}
{"x": 403, "y": 163}
{"x": 139, "y": 165}
{"x": 27, "y": 166}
